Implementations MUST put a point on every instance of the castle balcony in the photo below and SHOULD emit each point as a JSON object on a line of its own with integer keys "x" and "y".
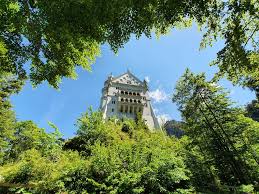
{"x": 131, "y": 103}
{"x": 131, "y": 100}
{"x": 130, "y": 108}
{"x": 129, "y": 93}
{"x": 128, "y": 96}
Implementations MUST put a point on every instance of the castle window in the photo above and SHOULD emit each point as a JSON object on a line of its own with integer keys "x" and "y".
{"x": 112, "y": 110}
{"x": 130, "y": 93}
{"x": 138, "y": 94}
{"x": 139, "y": 101}
{"x": 130, "y": 100}
{"x": 130, "y": 109}
{"x": 126, "y": 100}
{"x": 113, "y": 102}
{"x": 122, "y": 92}
{"x": 135, "y": 101}
{"x": 134, "y": 93}
{"x": 122, "y": 100}
{"x": 126, "y": 93}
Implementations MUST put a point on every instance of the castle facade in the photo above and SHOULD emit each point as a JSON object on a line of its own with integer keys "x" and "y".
{"x": 125, "y": 96}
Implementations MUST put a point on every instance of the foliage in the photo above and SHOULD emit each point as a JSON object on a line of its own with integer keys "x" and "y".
{"x": 127, "y": 159}
{"x": 42, "y": 174}
{"x": 56, "y": 37}
{"x": 28, "y": 136}
{"x": 8, "y": 85}
{"x": 107, "y": 158}
{"x": 253, "y": 110}
{"x": 237, "y": 24}
{"x": 220, "y": 149}
{"x": 222, "y": 139}
{"x": 219, "y": 152}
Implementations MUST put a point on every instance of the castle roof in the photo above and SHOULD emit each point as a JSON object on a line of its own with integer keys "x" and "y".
{"x": 128, "y": 78}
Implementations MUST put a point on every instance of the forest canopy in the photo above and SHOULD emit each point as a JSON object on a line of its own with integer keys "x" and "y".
{"x": 54, "y": 37}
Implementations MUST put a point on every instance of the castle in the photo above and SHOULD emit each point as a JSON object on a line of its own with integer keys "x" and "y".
{"x": 124, "y": 96}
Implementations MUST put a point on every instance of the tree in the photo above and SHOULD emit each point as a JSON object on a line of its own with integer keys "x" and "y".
{"x": 120, "y": 161}
{"x": 253, "y": 107}
{"x": 29, "y": 136}
{"x": 129, "y": 159}
{"x": 217, "y": 130}
{"x": 237, "y": 23}
{"x": 56, "y": 37}
{"x": 8, "y": 85}
{"x": 253, "y": 110}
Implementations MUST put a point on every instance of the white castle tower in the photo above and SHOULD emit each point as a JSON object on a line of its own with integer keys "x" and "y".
{"x": 124, "y": 96}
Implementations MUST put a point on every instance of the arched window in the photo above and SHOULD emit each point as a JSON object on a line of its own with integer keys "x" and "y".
{"x": 122, "y": 92}
{"x": 139, "y": 101}
{"x": 138, "y": 94}
{"x": 122, "y": 100}
{"x": 130, "y": 100}
{"x": 135, "y": 101}
{"x": 130, "y": 93}
{"x": 134, "y": 93}
{"x": 126, "y": 100}
{"x": 126, "y": 93}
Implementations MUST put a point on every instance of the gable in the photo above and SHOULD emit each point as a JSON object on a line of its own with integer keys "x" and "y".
{"x": 128, "y": 78}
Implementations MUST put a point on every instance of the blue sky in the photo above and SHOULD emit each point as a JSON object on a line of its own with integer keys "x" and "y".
{"x": 162, "y": 61}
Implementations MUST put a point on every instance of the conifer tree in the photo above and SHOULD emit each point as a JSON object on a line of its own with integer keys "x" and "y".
{"x": 217, "y": 130}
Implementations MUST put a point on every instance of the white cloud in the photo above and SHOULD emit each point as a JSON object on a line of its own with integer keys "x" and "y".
{"x": 163, "y": 118}
{"x": 155, "y": 110}
{"x": 147, "y": 79}
{"x": 158, "y": 95}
